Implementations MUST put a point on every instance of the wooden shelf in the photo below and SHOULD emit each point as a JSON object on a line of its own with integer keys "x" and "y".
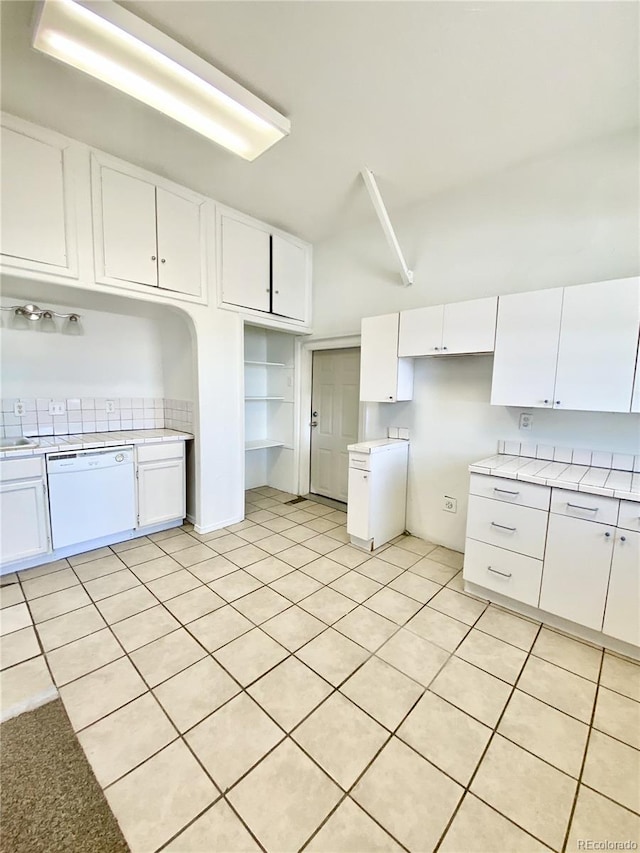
{"x": 262, "y": 443}
{"x": 268, "y": 363}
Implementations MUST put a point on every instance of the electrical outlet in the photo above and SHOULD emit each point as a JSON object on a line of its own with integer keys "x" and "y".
{"x": 18, "y": 409}
{"x": 110, "y": 406}
{"x": 450, "y": 504}
{"x": 526, "y": 421}
{"x": 57, "y": 408}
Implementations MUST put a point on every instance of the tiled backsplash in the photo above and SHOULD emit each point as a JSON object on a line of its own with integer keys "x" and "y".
{"x": 572, "y": 456}
{"x": 90, "y": 414}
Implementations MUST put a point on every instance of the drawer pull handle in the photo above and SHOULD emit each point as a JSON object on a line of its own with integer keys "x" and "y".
{"x": 496, "y": 572}
{"x": 585, "y": 508}
{"x": 503, "y": 527}
{"x": 505, "y": 491}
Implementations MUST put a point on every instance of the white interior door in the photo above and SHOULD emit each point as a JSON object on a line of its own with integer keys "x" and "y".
{"x": 334, "y": 407}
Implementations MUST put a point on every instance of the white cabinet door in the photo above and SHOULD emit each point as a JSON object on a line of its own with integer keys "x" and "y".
{"x": 576, "y": 568}
{"x": 384, "y": 378}
{"x": 421, "y": 331}
{"x": 470, "y": 326}
{"x": 161, "y": 491}
{"x": 245, "y": 253}
{"x": 598, "y": 346}
{"x": 24, "y": 520}
{"x": 288, "y": 278}
{"x": 129, "y": 227}
{"x": 526, "y": 351}
{"x": 359, "y": 504}
{"x": 33, "y": 203}
{"x": 622, "y": 613}
{"x": 179, "y": 253}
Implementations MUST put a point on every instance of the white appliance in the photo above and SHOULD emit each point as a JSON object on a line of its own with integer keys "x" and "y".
{"x": 377, "y": 501}
{"x": 91, "y": 494}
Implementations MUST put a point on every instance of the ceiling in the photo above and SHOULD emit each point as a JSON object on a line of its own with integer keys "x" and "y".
{"x": 429, "y": 95}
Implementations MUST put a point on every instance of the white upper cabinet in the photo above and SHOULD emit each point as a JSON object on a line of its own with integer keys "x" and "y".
{"x": 179, "y": 262}
{"x": 145, "y": 232}
{"x": 527, "y": 335}
{"x": 244, "y": 259}
{"x": 470, "y": 326}
{"x": 260, "y": 270}
{"x": 453, "y": 329}
{"x": 421, "y": 331}
{"x": 129, "y": 228}
{"x": 288, "y": 277}
{"x": 598, "y": 346}
{"x": 38, "y": 209}
{"x": 384, "y": 378}
{"x": 568, "y": 348}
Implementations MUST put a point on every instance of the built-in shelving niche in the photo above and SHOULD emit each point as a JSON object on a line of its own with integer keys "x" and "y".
{"x": 269, "y": 408}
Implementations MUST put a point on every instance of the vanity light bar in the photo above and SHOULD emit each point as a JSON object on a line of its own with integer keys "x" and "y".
{"x": 113, "y": 45}
{"x": 32, "y": 312}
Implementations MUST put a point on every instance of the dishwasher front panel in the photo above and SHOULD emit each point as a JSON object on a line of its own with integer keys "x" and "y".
{"x": 91, "y": 495}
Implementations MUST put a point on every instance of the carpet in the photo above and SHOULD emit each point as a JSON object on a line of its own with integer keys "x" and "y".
{"x": 51, "y": 801}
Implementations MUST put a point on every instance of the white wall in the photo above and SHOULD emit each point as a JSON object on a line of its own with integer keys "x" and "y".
{"x": 126, "y": 350}
{"x": 565, "y": 220}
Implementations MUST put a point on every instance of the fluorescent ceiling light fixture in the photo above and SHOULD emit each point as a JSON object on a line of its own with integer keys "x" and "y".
{"x": 109, "y": 43}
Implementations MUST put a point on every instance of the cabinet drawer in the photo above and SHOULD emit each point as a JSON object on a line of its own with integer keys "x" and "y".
{"x": 629, "y": 516}
{"x": 156, "y": 452}
{"x": 360, "y": 460}
{"x": 21, "y": 469}
{"x": 510, "y": 491}
{"x": 516, "y": 528}
{"x": 582, "y": 505}
{"x": 510, "y": 574}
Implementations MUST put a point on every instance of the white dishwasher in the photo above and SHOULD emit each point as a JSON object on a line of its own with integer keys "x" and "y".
{"x": 91, "y": 494}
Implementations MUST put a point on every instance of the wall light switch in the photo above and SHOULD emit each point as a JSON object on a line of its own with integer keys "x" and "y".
{"x": 57, "y": 408}
{"x": 18, "y": 409}
{"x": 110, "y": 406}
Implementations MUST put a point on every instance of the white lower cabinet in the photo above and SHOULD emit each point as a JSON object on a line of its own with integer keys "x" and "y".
{"x": 24, "y": 510}
{"x": 160, "y": 472}
{"x": 576, "y": 569}
{"x": 510, "y": 574}
{"x": 622, "y": 611}
{"x": 579, "y": 561}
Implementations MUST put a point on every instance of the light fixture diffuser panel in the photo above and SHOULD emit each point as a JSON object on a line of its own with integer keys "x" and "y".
{"x": 114, "y": 46}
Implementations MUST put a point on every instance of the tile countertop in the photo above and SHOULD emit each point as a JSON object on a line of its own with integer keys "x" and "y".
{"x": 579, "y": 478}
{"x": 87, "y": 440}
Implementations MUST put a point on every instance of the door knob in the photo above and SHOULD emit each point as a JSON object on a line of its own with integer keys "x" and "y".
{"x": 314, "y": 414}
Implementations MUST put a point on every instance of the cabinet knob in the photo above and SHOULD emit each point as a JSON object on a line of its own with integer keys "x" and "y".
{"x": 557, "y": 402}
{"x": 623, "y": 538}
{"x": 607, "y": 534}
{"x": 436, "y": 348}
{"x": 444, "y": 348}
{"x": 277, "y": 291}
{"x": 391, "y": 396}
{"x": 163, "y": 261}
{"x": 153, "y": 258}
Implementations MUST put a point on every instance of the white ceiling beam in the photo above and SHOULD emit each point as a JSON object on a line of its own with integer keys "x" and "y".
{"x": 378, "y": 204}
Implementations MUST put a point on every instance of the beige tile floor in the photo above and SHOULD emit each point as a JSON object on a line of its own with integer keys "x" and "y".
{"x": 270, "y": 687}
